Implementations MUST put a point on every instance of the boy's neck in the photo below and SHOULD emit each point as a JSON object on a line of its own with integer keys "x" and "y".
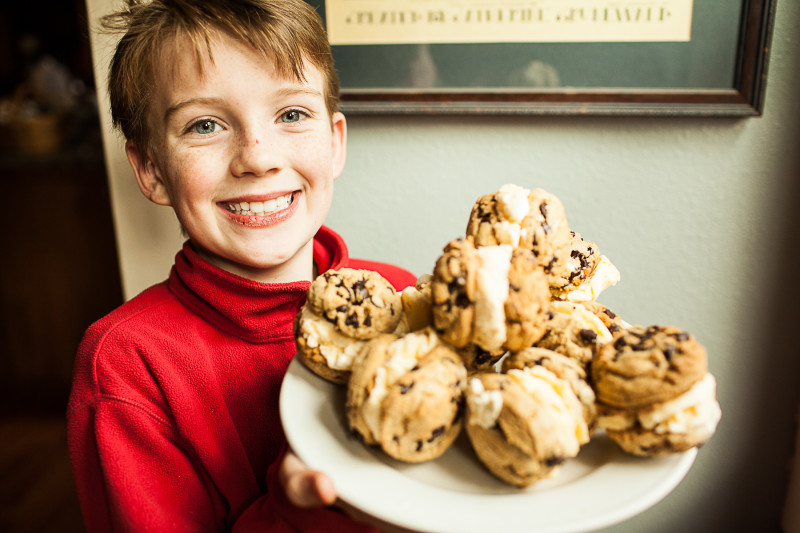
{"x": 301, "y": 267}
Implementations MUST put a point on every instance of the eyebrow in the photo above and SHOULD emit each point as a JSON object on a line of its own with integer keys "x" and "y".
{"x": 177, "y": 106}
{"x": 281, "y": 93}
{"x": 291, "y": 91}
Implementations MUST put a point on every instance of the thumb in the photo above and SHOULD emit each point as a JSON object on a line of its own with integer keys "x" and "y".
{"x": 305, "y": 487}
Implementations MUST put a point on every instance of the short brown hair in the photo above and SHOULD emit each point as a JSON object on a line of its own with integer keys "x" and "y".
{"x": 284, "y": 31}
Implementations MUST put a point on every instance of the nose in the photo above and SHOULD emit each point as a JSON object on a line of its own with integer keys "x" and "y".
{"x": 255, "y": 155}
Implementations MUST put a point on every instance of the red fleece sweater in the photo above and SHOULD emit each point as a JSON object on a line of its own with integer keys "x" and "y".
{"x": 173, "y": 417}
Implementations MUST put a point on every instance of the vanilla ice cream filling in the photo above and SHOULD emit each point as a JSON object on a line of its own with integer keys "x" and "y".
{"x": 484, "y": 405}
{"x": 512, "y": 208}
{"x": 695, "y": 411}
{"x": 605, "y": 275}
{"x": 584, "y": 317}
{"x": 512, "y": 202}
{"x": 417, "y": 309}
{"x": 402, "y": 356}
{"x": 489, "y": 322}
{"x": 338, "y": 349}
{"x": 557, "y": 395}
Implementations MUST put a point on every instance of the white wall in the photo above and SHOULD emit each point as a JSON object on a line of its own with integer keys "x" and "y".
{"x": 698, "y": 214}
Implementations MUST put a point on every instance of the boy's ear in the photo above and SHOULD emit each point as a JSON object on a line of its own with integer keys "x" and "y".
{"x": 339, "y": 148}
{"x": 147, "y": 175}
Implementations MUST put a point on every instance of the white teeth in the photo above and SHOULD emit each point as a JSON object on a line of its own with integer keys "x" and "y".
{"x": 260, "y": 208}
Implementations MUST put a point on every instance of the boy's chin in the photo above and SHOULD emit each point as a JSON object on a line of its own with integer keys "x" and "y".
{"x": 271, "y": 268}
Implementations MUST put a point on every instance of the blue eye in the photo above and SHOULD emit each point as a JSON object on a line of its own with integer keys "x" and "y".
{"x": 292, "y": 115}
{"x": 205, "y": 127}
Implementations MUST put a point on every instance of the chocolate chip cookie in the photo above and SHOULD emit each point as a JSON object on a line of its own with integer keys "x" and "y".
{"x": 344, "y": 308}
{"x": 361, "y": 303}
{"x": 572, "y": 330}
{"x": 531, "y": 219}
{"x": 523, "y": 424}
{"x": 493, "y": 296}
{"x": 405, "y": 395}
{"x": 564, "y": 368}
{"x": 672, "y": 426}
{"x": 647, "y": 365}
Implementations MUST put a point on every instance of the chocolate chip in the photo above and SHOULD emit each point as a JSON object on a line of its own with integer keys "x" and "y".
{"x": 419, "y": 445}
{"x": 360, "y": 290}
{"x": 588, "y": 335}
{"x": 462, "y": 300}
{"x": 438, "y": 432}
{"x": 405, "y": 388}
{"x": 554, "y": 461}
{"x": 543, "y": 209}
{"x": 351, "y": 320}
{"x": 482, "y": 356}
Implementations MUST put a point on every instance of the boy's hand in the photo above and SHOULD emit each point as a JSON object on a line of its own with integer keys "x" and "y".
{"x": 305, "y": 487}
{"x": 310, "y": 488}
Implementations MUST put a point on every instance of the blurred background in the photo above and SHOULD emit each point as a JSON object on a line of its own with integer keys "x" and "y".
{"x": 59, "y": 269}
{"x": 698, "y": 213}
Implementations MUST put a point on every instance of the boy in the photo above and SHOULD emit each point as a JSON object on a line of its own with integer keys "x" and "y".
{"x": 229, "y": 109}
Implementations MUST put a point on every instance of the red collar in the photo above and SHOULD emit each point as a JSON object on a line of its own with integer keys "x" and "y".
{"x": 253, "y": 311}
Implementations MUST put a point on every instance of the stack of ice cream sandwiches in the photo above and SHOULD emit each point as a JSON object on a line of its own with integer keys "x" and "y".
{"x": 505, "y": 340}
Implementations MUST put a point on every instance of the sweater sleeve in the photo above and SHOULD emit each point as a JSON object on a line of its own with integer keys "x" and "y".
{"x": 136, "y": 469}
{"x": 132, "y": 475}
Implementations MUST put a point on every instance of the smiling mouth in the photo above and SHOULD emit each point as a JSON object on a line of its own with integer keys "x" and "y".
{"x": 261, "y": 208}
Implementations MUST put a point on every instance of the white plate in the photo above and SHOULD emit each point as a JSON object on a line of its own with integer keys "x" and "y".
{"x": 454, "y": 493}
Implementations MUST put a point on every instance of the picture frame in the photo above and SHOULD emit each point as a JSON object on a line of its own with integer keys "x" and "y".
{"x": 721, "y": 70}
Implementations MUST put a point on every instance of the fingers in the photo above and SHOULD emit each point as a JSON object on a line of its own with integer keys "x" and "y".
{"x": 309, "y": 488}
{"x": 305, "y": 487}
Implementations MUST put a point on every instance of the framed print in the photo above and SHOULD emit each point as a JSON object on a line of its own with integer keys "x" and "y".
{"x": 594, "y": 57}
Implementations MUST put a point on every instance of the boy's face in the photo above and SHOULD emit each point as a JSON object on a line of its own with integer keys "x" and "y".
{"x": 246, "y": 159}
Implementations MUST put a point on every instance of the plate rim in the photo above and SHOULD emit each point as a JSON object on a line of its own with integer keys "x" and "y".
{"x": 298, "y": 380}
